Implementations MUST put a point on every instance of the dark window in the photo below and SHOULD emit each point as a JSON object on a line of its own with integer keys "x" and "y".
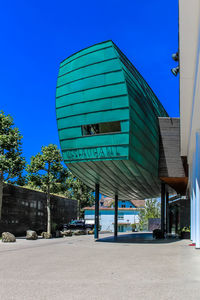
{"x": 107, "y": 127}
{"x": 120, "y": 217}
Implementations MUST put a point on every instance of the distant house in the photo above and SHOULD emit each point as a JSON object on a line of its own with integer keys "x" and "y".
{"x": 128, "y": 211}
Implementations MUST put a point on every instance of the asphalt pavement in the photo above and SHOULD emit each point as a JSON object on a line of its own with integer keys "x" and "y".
{"x": 77, "y": 267}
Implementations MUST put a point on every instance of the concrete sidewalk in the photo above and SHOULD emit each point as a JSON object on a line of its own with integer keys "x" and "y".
{"x": 79, "y": 268}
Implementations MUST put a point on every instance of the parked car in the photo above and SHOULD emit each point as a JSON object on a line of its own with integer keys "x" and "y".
{"x": 78, "y": 225}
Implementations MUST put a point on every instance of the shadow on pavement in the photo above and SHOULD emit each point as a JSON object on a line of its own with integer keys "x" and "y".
{"x": 137, "y": 238}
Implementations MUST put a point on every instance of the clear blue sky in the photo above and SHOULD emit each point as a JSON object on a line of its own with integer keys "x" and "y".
{"x": 37, "y": 35}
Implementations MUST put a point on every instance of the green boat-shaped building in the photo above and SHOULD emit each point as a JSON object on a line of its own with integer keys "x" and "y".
{"x": 107, "y": 117}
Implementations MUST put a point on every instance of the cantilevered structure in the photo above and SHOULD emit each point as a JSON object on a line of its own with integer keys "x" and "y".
{"x": 107, "y": 118}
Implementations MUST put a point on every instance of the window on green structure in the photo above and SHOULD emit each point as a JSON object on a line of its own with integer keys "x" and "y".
{"x": 101, "y": 128}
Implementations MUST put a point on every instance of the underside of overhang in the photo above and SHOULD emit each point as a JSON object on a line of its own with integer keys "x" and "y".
{"x": 172, "y": 167}
{"x": 176, "y": 183}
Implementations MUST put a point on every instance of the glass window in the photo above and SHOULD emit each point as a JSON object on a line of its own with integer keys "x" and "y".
{"x": 107, "y": 127}
{"x": 120, "y": 217}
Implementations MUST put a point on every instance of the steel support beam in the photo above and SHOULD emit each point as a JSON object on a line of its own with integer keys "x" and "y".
{"x": 96, "y": 226}
{"x": 176, "y": 218}
{"x": 163, "y": 192}
{"x": 167, "y": 212}
{"x": 116, "y": 217}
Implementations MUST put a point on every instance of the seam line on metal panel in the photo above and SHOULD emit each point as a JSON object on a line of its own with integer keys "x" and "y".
{"x": 85, "y": 66}
{"x": 97, "y": 135}
{"x": 96, "y": 99}
{"x": 82, "y": 78}
{"x": 96, "y": 87}
{"x": 83, "y": 55}
{"x": 93, "y": 112}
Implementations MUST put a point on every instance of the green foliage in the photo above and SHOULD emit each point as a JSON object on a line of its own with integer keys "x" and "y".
{"x": 12, "y": 162}
{"x": 134, "y": 226}
{"x": 46, "y": 171}
{"x": 185, "y": 229}
{"x": 151, "y": 210}
{"x": 54, "y": 226}
{"x": 79, "y": 191}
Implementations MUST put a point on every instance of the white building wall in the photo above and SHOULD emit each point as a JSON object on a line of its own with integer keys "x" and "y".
{"x": 106, "y": 218}
{"x": 188, "y": 45}
{"x": 189, "y": 50}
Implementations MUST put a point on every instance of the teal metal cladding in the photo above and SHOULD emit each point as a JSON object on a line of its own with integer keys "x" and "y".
{"x": 97, "y": 85}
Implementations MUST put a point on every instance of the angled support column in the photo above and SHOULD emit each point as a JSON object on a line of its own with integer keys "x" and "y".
{"x": 96, "y": 226}
{"x": 176, "y": 218}
{"x": 167, "y": 213}
{"x": 163, "y": 192}
{"x": 116, "y": 217}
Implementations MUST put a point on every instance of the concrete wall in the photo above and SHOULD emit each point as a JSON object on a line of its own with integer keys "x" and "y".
{"x": 189, "y": 67}
{"x": 189, "y": 48}
{"x": 24, "y": 209}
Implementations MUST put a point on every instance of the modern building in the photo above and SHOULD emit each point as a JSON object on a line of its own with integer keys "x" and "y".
{"x": 128, "y": 211}
{"x": 24, "y": 208}
{"x": 114, "y": 133}
{"x": 107, "y": 119}
{"x": 189, "y": 63}
{"x": 178, "y": 213}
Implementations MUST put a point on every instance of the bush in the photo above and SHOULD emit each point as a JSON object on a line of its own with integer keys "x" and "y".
{"x": 186, "y": 229}
{"x": 157, "y": 234}
{"x": 184, "y": 233}
{"x": 133, "y": 227}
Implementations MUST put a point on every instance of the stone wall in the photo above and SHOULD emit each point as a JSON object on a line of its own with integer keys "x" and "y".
{"x": 24, "y": 209}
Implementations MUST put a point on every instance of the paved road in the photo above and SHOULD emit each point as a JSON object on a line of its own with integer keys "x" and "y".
{"x": 79, "y": 268}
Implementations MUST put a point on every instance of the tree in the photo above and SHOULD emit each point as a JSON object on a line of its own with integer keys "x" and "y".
{"x": 151, "y": 210}
{"x": 79, "y": 191}
{"x": 46, "y": 172}
{"x": 12, "y": 162}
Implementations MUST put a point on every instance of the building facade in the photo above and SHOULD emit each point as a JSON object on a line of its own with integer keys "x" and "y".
{"x": 24, "y": 209}
{"x": 114, "y": 133}
{"x": 189, "y": 62}
{"x": 128, "y": 212}
{"x": 107, "y": 117}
